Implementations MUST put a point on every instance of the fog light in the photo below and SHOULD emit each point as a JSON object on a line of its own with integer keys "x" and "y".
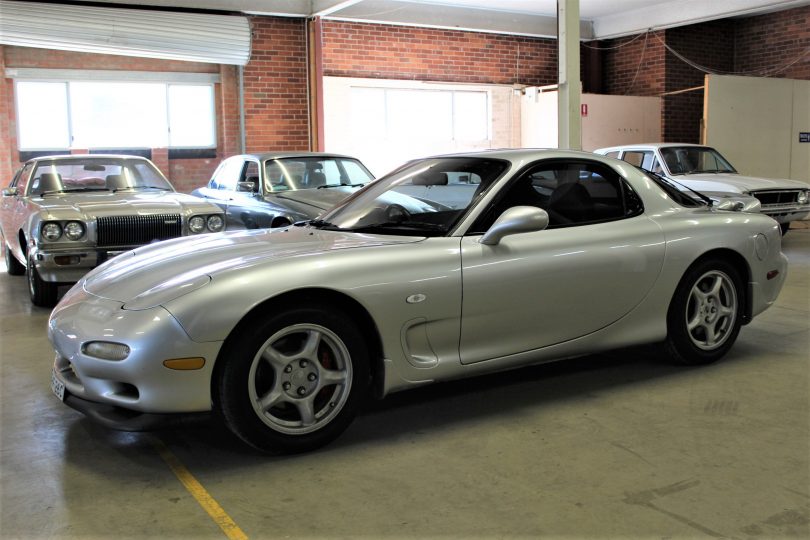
{"x": 65, "y": 260}
{"x": 184, "y": 364}
{"x": 196, "y": 224}
{"x": 106, "y": 350}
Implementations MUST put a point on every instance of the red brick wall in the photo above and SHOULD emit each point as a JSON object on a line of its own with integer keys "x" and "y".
{"x": 767, "y": 44}
{"x": 399, "y": 52}
{"x": 275, "y": 79}
{"x": 185, "y": 174}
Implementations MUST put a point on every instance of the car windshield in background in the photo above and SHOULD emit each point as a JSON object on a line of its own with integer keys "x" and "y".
{"x": 286, "y": 174}
{"x": 425, "y": 198}
{"x": 69, "y": 174}
{"x": 695, "y": 160}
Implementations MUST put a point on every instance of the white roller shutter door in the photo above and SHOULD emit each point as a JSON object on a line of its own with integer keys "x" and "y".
{"x": 218, "y": 39}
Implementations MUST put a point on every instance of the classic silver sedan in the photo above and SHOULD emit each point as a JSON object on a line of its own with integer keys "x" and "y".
{"x": 61, "y": 216}
{"x": 510, "y": 258}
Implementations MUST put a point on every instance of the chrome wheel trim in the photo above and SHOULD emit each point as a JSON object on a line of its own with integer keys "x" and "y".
{"x": 711, "y": 310}
{"x": 292, "y": 391}
{"x": 29, "y": 271}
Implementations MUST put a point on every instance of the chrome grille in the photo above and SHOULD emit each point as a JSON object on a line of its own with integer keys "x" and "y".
{"x": 115, "y": 231}
{"x": 776, "y": 197}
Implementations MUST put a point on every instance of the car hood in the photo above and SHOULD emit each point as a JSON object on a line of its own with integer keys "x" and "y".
{"x": 149, "y": 275}
{"x": 735, "y": 182}
{"x": 313, "y": 199}
{"x": 90, "y": 205}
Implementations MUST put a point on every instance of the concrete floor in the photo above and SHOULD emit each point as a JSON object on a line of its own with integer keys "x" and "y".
{"x": 620, "y": 445}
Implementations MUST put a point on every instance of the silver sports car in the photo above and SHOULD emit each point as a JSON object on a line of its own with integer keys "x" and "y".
{"x": 449, "y": 267}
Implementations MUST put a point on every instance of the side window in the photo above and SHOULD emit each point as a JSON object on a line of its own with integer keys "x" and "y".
{"x": 656, "y": 167}
{"x": 251, "y": 174}
{"x": 614, "y": 154}
{"x": 639, "y": 158}
{"x": 573, "y": 193}
{"x": 22, "y": 179}
{"x": 228, "y": 175}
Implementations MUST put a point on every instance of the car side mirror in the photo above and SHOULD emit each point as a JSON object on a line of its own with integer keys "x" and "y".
{"x": 10, "y": 192}
{"x": 518, "y": 219}
{"x": 249, "y": 187}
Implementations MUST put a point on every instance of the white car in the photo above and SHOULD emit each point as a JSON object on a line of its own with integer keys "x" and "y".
{"x": 703, "y": 168}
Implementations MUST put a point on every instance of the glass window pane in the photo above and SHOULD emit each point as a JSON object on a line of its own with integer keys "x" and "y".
{"x": 420, "y": 115}
{"x": 191, "y": 115}
{"x": 42, "y": 115}
{"x": 470, "y": 116}
{"x": 368, "y": 114}
{"x": 118, "y": 115}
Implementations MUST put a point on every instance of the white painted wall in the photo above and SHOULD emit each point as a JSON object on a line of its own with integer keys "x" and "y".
{"x": 755, "y": 122}
{"x": 610, "y": 120}
{"x": 351, "y": 126}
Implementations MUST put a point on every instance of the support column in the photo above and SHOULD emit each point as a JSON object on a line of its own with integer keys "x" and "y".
{"x": 569, "y": 130}
{"x": 315, "y": 67}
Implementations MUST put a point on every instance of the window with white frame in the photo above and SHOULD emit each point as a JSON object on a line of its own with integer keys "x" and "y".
{"x": 93, "y": 114}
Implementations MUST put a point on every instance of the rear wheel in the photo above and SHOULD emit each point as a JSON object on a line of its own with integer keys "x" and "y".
{"x": 43, "y": 293}
{"x": 13, "y": 266}
{"x": 705, "y": 314}
{"x": 294, "y": 382}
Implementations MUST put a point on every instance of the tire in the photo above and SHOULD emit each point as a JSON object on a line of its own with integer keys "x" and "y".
{"x": 43, "y": 293}
{"x": 13, "y": 266}
{"x": 293, "y": 382}
{"x": 785, "y": 227}
{"x": 705, "y": 314}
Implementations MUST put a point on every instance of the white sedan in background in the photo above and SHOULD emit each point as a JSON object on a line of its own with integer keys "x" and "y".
{"x": 703, "y": 169}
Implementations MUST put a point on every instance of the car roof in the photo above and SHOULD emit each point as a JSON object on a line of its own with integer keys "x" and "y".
{"x": 523, "y": 154}
{"x": 263, "y": 156}
{"x": 85, "y": 157}
{"x": 639, "y": 146}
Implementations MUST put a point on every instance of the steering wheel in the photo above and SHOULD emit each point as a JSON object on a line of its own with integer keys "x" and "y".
{"x": 396, "y": 213}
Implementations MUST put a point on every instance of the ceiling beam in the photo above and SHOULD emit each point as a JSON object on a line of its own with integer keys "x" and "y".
{"x": 455, "y": 18}
{"x": 661, "y": 15}
{"x": 324, "y": 8}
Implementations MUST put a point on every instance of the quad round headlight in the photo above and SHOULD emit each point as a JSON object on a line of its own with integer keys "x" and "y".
{"x": 803, "y": 197}
{"x": 51, "y": 231}
{"x": 196, "y": 224}
{"x": 215, "y": 223}
{"x": 74, "y": 230}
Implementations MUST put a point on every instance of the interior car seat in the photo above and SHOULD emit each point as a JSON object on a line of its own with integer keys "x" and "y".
{"x": 116, "y": 181}
{"x": 47, "y": 182}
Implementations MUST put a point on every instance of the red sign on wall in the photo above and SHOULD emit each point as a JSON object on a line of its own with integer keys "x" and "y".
{"x": 583, "y": 109}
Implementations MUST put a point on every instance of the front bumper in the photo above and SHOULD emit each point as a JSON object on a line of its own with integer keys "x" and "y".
{"x": 69, "y": 266}
{"x": 140, "y": 382}
{"x": 126, "y": 420}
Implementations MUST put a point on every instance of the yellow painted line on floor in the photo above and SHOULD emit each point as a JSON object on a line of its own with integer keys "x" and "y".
{"x": 220, "y": 517}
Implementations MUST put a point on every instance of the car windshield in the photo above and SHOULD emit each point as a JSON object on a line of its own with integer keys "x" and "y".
{"x": 424, "y": 198}
{"x": 695, "y": 160}
{"x": 315, "y": 172}
{"x": 96, "y": 174}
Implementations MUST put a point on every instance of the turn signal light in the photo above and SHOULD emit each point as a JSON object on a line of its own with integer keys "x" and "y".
{"x": 184, "y": 364}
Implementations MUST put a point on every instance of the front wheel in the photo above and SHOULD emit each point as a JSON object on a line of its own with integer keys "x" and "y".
{"x": 705, "y": 315}
{"x": 294, "y": 381}
{"x": 43, "y": 293}
{"x": 13, "y": 266}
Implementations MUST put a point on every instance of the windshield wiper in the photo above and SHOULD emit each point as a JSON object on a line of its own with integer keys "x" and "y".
{"x": 401, "y": 225}
{"x": 318, "y": 224}
{"x": 325, "y": 186}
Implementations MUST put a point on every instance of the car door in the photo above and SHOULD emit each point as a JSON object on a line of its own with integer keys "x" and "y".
{"x": 16, "y": 209}
{"x": 597, "y": 260}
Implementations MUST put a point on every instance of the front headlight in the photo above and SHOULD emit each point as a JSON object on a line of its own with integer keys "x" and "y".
{"x": 51, "y": 232}
{"x": 196, "y": 224}
{"x": 74, "y": 230}
{"x": 106, "y": 350}
{"x": 803, "y": 197}
{"x": 215, "y": 223}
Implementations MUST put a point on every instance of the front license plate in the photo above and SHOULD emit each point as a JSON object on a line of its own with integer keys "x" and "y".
{"x": 57, "y": 386}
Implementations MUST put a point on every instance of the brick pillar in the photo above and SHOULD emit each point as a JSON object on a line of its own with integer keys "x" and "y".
{"x": 7, "y": 125}
{"x": 160, "y": 157}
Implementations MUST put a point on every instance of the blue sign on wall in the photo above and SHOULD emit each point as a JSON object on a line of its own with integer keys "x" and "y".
{"x": 804, "y": 136}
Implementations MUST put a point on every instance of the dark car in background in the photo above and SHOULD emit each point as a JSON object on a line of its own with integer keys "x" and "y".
{"x": 278, "y": 189}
